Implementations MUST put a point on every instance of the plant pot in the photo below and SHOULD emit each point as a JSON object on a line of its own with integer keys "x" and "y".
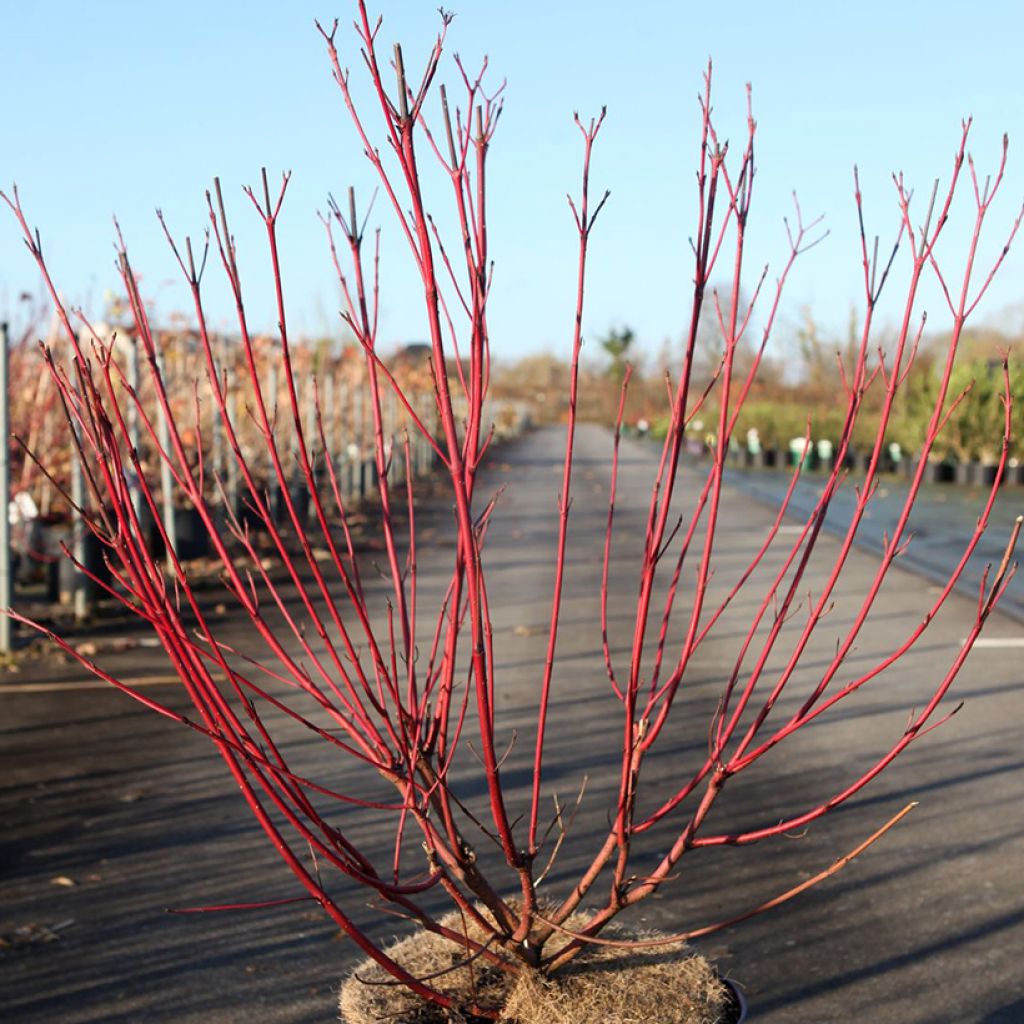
{"x": 968, "y": 474}
{"x": 987, "y": 473}
{"x": 191, "y": 539}
{"x": 298, "y": 491}
{"x": 69, "y": 579}
{"x": 940, "y": 472}
{"x": 668, "y": 981}
{"x": 739, "y": 999}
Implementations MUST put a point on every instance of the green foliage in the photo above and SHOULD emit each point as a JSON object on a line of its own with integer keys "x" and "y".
{"x": 779, "y": 409}
{"x": 778, "y": 422}
{"x": 975, "y": 429}
{"x": 616, "y": 344}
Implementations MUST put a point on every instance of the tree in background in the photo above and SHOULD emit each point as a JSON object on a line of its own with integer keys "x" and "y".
{"x": 616, "y": 344}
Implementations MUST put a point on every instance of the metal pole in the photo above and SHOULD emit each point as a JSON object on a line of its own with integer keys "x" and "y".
{"x": 311, "y": 443}
{"x": 327, "y": 411}
{"x": 217, "y": 430}
{"x": 419, "y": 441}
{"x": 344, "y": 442}
{"x": 312, "y": 385}
{"x": 5, "y": 495}
{"x": 358, "y": 434}
{"x": 166, "y": 479}
{"x": 134, "y": 485}
{"x": 274, "y": 482}
{"x": 337, "y": 434}
{"x": 81, "y": 598}
{"x": 393, "y": 439}
{"x": 229, "y": 392}
{"x": 365, "y": 471}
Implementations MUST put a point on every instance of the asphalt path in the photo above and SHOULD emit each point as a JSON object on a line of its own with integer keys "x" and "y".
{"x": 943, "y": 517}
{"x": 111, "y": 814}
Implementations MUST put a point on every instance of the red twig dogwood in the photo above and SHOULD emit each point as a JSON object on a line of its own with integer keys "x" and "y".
{"x": 356, "y": 678}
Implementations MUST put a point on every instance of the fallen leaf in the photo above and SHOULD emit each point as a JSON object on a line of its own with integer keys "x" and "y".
{"x": 33, "y": 934}
{"x": 130, "y": 796}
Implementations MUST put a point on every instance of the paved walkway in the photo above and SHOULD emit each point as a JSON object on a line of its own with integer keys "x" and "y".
{"x": 111, "y": 814}
{"x": 944, "y": 515}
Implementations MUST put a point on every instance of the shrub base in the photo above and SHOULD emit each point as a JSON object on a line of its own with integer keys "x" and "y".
{"x": 661, "y": 985}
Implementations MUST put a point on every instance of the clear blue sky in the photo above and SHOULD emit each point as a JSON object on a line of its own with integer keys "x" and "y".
{"x": 115, "y": 106}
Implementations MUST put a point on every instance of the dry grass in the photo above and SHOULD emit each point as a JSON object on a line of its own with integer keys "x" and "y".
{"x": 605, "y": 985}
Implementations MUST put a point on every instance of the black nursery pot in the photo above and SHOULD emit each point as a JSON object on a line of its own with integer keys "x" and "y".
{"x": 739, "y": 1001}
